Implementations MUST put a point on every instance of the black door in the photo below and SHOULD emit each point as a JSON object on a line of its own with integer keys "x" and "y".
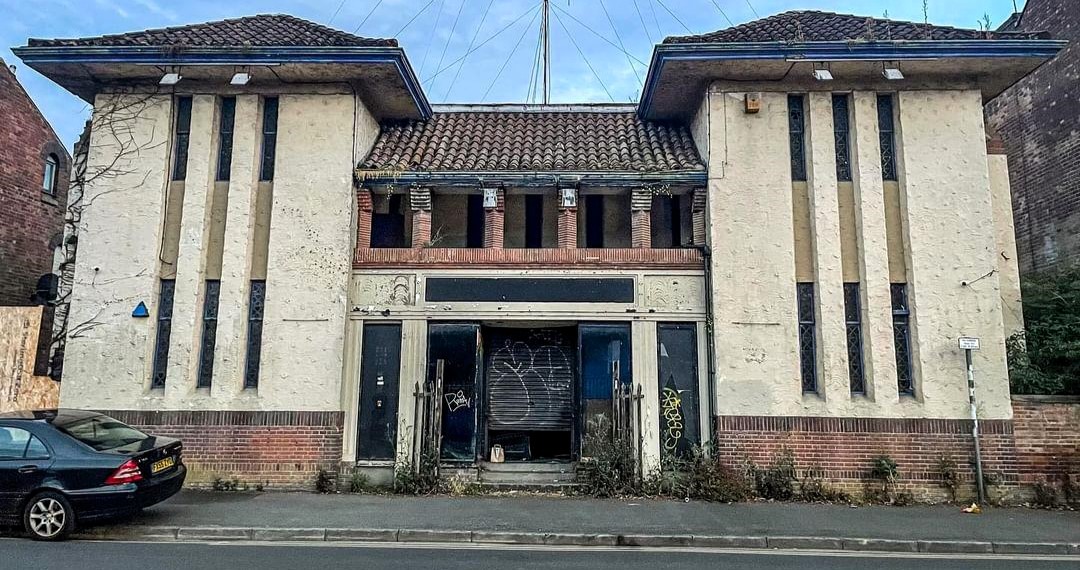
{"x": 457, "y": 346}
{"x": 24, "y": 464}
{"x": 678, "y": 378}
{"x": 380, "y": 368}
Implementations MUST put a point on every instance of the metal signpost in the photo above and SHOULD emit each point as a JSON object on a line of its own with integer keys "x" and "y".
{"x": 968, "y": 345}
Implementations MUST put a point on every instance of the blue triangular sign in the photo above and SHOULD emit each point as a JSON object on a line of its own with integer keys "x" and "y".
{"x": 140, "y": 311}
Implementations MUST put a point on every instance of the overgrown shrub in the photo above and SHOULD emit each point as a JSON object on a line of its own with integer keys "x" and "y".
{"x": 709, "y": 479}
{"x": 422, "y": 479}
{"x": 814, "y": 489}
{"x": 359, "y": 483}
{"x": 777, "y": 481}
{"x": 324, "y": 481}
{"x": 884, "y": 472}
{"x": 950, "y": 478}
{"x": 611, "y": 471}
{"x": 461, "y": 486}
{"x": 1046, "y": 495}
{"x": 1045, "y": 359}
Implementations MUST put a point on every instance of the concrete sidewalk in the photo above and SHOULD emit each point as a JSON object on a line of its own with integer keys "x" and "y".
{"x": 554, "y": 520}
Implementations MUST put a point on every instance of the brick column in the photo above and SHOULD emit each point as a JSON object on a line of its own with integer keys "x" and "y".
{"x": 420, "y": 204}
{"x": 641, "y": 218}
{"x": 568, "y": 220}
{"x": 493, "y": 221}
{"x": 698, "y": 213}
{"x": 364, "y": 210}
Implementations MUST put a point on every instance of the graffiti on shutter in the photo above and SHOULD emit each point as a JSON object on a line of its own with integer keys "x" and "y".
{"x": 531, "y": 381}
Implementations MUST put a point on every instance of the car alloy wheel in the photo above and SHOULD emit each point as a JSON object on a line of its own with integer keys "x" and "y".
{"x": 48, "y": 517}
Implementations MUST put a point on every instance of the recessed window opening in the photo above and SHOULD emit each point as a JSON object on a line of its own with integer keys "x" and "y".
{"x": 594, "y": 221}
{"x": 52, "y": 168}
{"x": 534, "y": 220}
{"x": 388, "y": 221}
{"x": 671, "y": 221}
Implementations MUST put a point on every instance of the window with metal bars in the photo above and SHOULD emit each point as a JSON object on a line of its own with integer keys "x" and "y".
{"x": 797, "y": 133}
{"x": 807, "y": 337}
{"x": 901, "y": 311}
{"x": 209, "y": 333}
{"x": 225, "y": 137}
{"x": 887, "y": 134}
{"x": 842, "y": 135}
{"x": 164, "y": 331}
{"x": 269, "y": 138}
{"x": 256, "y": 305}
{"x": 182, "y": 136}
{"x": 853, "y": 320}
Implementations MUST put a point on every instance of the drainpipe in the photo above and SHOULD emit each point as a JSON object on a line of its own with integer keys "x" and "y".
{"x": 710, "y": 339}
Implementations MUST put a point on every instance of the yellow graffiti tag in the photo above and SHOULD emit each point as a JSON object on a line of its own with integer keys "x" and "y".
{"x": 671, "y": 405}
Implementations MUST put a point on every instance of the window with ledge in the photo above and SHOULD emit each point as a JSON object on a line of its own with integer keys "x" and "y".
{"x": 604, "y": 220}
{"x": 531, "y": 220}
{"x": 797, "y": 136}
{"x": 451, "y": 229}
{"x": 905, "y": 378}
{"x": 842, "y": 136}
{"x": 887, "y": 134}
{"x": 807, "y": 337}
{"x": 52, "y": 170}
{"x": 671, "y": 221}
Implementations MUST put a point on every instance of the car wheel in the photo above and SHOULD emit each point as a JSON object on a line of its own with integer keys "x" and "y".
{"x": 48, "y": 516}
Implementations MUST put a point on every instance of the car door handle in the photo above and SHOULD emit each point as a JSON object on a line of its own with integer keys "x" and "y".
{"x": 28, "y": 469}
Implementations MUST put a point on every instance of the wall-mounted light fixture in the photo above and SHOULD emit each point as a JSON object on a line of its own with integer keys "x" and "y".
{"x": 822, "y": 73}
{"x": 891, "y": 71}
{"x": 171, "y": 77}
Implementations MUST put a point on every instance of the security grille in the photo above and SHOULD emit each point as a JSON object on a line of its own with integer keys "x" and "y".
{"x": 853, "y": 318}
{"x": 902, "y": 338}
{"x": 807, "y": 337}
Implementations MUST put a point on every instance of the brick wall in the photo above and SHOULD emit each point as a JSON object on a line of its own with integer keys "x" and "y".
{"x": 31, "y": 223}
{"x": 1037, "y": 119}
{"x": 1040, "y": 443}
{"x": 280, "y": 450}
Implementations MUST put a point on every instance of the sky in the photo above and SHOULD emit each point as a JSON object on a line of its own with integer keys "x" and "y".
{"x": 599, "y": 48}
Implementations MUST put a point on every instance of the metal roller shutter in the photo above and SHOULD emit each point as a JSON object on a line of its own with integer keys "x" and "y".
{"x": 530, "y": 380}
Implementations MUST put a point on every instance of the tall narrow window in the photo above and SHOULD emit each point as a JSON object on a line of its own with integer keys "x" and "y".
{"x": 183, "y": 135}
{"x": 52, "y": 166}
{"x": 797, "y": 132}
{"x": 807, "y": 337}
{"x": 225, "y": 138}
{"x": 853, "y": 319}
{"x": 164, "y": 331}
{"x": 269, "y": 138}
{"x": 842, "y": 135}
{"x": 209, "y": 334}
{"x": 474, "y": 221}
{"x": 254, "y": 336}
{"x": 902, "y": 338}
{"x": 534, "y": 220}
{"x": 887, "y": 133}
{"x": 594, "y": 220}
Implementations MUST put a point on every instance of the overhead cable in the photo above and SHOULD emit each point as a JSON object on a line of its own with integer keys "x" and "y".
{"x": 582, "y": 54}
{"x": 483, "y": 43}
{"x": 622, "y": 46}
{"x": 370, "y": 12}
{"x": 598, "y": 34}
{"x": 472, "y": 41}
{"x": 508, "y": 58}
{"x": 723, "y": 13}
{"x": 668, "y": 10}
{"x": 413, "y": 19}
{"x": 453, "y": 28}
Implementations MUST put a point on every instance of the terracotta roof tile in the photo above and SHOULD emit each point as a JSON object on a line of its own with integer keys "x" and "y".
{"x": 815, "y": 26}
{"x": 263, "y": 30}
{"x": 572, "y": 141}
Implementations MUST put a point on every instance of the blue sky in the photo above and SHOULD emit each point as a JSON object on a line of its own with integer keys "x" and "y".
{"x": 438, "y": 37}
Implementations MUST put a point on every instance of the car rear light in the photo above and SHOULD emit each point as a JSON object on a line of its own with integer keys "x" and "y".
{"x": 127, "y": 473}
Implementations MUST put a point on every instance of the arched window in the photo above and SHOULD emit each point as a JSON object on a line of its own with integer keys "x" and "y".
{"x": 52, "y": 167}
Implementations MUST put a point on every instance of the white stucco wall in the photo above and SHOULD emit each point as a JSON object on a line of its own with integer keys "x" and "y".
{"x": 1005, "y": 232}
{"x": 108, "y": 366}
{"x": 949, "y": 234}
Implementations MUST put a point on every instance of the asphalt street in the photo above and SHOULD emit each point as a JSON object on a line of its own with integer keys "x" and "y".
{"x": 88, "y": 555}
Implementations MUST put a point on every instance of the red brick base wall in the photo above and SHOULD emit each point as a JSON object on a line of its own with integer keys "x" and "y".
{"x": 281, "y": 450}
{"x": 1047, "y": 432}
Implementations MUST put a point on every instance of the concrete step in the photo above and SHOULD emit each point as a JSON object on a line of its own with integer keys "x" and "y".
{"x": 528, "y": 474}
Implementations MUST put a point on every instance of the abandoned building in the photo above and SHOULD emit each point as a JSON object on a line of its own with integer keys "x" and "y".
{"x": 300, "y": 263}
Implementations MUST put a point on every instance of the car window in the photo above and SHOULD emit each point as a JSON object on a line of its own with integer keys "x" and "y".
{"x": 36, "y": 449}
{"x": 100, "y": 432}
{"x": 13, "y": 442}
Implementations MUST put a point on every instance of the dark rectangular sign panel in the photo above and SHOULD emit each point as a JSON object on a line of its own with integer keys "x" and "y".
{"x": 530, "y": 290}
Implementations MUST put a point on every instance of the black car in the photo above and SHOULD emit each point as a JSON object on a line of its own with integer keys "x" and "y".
{"x": 59, "y": 468}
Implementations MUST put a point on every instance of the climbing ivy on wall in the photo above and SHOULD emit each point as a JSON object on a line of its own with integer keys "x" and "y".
{"x": 1045, "y": 359}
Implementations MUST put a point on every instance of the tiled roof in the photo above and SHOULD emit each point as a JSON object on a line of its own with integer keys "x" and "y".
{"x": 815, "y": 26}
{"x": 565, "y": 140}
{"x": 264, "y": 30}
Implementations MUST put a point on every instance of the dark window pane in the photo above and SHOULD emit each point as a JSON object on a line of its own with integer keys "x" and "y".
{"x": 388, "y": 222}
{"x": 475, "y": 221}
{"x": 594, "y": 221}
{"x": 269, "y": 138}
{"x": 842, "y": 135}
{"x": 807, "y": 337}
{"x": 534, "y": 220}
{"x": 256, "y": 304}
{"x": 182, "y": 135}
{"x": 13, "y": 442}
{"x": 679, "y": 401}
{"x": 902, "y": 338}
{"x": 225, "y": 137}
{"x": 35, "y": 449}
{"x": 797, "y": 128}
{"x": 209, "y": 334}
{"x": 380, "y": 367}
{"x": 886, "y": 128}
{"x": 164, "y": 331}
{"x": 853, "y": 318}
{"x": 100, "y": 432}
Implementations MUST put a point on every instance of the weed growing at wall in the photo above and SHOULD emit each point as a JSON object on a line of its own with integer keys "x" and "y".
{"x": 324, "y": 481}
{"x": 777, "y": 480}
{"x": 418, "y": 477}
{"x": 1045, "y": 359}
{"x": 950, "y": 478}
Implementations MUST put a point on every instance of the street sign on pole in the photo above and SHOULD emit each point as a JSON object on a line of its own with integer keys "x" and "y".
{"x": 968, "y": 345}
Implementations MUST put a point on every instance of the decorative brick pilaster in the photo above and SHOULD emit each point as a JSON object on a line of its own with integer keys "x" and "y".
{"x": 698, "y": 215}
{"x": 420, "y": 204}
{"x": 494, "y": 221}
{"x": 568, "y": 214}
{"x": 364, "y": 209}
{"x": 641, "y": 218}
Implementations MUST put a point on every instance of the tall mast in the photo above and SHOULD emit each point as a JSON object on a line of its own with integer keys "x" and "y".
{"x": 545, "y": 31}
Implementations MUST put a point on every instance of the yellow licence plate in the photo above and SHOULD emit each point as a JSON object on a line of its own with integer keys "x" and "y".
{"x": 159, "y": 466}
